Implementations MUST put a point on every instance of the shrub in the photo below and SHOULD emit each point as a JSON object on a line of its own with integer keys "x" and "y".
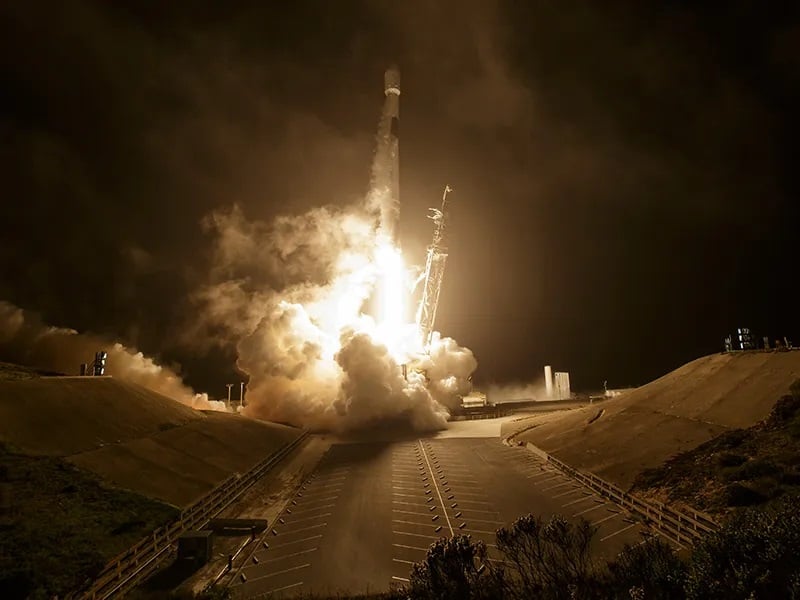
{"x": 548, "y": 560}
{"x": 785, "y": 409}
{"x": 753, "y": 555}
{"x": 730, "y": 459}
{"x": 455, "y": 569}
{"x": 737, "y": 494}
{"x": 733, "y": 438}
{"x": 790, "y": 477}
{"x": 754, "y": 469}
{"x": 651, "y": 568}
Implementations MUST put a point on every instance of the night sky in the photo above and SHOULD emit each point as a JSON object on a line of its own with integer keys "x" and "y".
{"x": 624, "y": 172}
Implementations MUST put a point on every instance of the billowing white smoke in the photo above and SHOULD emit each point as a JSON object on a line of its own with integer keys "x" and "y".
{"x": 24, "y": 339}
{"x": 291, "y": 295}
{"x": 517, "y": 392}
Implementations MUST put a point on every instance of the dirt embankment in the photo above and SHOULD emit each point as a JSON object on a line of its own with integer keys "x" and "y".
{"x": 71, "y": 452}
{"x": 132, "y": 437}
{"x": 741, "y": 467}
{"x": 675, "y": 413}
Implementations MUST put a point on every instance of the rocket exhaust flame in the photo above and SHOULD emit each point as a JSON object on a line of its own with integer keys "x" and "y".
{"x": 314, "y": 355}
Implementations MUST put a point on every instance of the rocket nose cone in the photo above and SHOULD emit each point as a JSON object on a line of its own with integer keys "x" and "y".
{"x": 391, "y": 80}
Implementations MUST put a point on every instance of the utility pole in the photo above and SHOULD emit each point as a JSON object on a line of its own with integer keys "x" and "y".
{"x": 229, "y": 386}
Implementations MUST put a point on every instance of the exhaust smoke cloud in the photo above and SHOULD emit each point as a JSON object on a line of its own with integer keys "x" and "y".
{"x": 518, "y": 392}
{"x": 295, "y": 296}
{"x": 25, "y": 339}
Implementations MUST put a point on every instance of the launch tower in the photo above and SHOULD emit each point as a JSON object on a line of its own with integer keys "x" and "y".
{"x": 434, "y": 272}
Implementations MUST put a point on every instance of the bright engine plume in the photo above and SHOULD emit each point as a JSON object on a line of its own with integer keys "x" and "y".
{"x": 319, "y": 306}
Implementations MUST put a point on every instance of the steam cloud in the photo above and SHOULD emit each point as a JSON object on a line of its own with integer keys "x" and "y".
{"x": 25, "y": 339}
{"x": 516, "y": 392}
{"x": 291, "y": 295}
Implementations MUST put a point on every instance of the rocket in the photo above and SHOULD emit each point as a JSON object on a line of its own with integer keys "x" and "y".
{"x": 386, "y": 164}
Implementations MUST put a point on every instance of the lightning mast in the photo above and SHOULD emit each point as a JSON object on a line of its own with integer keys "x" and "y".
{"x": 434, "y": 272}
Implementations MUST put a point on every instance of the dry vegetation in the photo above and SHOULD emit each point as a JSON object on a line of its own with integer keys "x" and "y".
{"x": 742, "y": 467}
{"x": 59, "y": 525}
{"x": 10, "y": 372}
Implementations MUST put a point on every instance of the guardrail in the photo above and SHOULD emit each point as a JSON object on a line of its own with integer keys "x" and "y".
{"x": 681, "y": 526}
{"x": 129, "y": 568}
{"x": 478, "y": 415}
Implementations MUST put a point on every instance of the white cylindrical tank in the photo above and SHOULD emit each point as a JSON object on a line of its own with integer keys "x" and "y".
{"x": 548, "y": 381}
{"x": 563, "y": 391}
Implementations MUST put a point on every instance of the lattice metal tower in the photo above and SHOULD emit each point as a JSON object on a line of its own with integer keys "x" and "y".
{"x": 434, "y": 272}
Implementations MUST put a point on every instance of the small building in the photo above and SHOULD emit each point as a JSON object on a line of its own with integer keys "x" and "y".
{"x": 196, "y": 546}
{"x": 741, "y": 339}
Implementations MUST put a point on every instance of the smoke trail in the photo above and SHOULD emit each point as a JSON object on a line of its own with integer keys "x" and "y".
{"x": 517, "y": 392}
{"x": 291, "y": 293}
{"x": 25, "y": 339}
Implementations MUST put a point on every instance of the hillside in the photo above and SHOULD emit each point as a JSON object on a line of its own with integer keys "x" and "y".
{"x": 741, "y": 467}
{"x": 675, "y": 413}
{"x": 59, "y": 416}
{"x": 61, "y": 525}
{"x": 132, "y": 437}
{"x": 183, "y": 463}
{"x": 90, "y": 465}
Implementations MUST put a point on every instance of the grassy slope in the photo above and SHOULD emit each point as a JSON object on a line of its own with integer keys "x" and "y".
{"x": 63, "y": 416}
{"x": 741, "y": 467}
{"x": 11, "y": 372}
{"x": 685, "y": 408}
{"x": 59, "y": 525}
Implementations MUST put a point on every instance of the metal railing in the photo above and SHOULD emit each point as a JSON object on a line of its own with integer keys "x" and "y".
{"x": 128, "y": 569}
{"x": 493, "y": 413}
{"x": 683, "y": 526}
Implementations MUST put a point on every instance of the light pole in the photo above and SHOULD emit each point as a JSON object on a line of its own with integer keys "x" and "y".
{"x": 241, "y": 394}
{"x": 229, "y": 386}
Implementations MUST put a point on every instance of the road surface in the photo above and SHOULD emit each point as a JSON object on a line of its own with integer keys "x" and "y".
{"x": 371, "y": 509}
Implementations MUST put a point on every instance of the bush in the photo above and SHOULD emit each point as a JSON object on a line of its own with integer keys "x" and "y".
{"x": 730, "y": 459}
{"x": 455, "y": 569}
{"x": 785, "y": 409}
{"x": 754, "y": 469}
{"x": 549, "y": 560}
{"x": 754, "y": 555}
{"x": 737, "y": 494}
{"x": 732, "y": 439}
{"x": 652, "y": 569}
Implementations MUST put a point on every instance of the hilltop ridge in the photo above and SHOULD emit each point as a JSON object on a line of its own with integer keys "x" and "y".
{"x": 641, "y": 429}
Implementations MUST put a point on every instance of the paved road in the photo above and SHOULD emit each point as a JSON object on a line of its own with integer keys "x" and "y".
{"x": 370, "y": 510}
